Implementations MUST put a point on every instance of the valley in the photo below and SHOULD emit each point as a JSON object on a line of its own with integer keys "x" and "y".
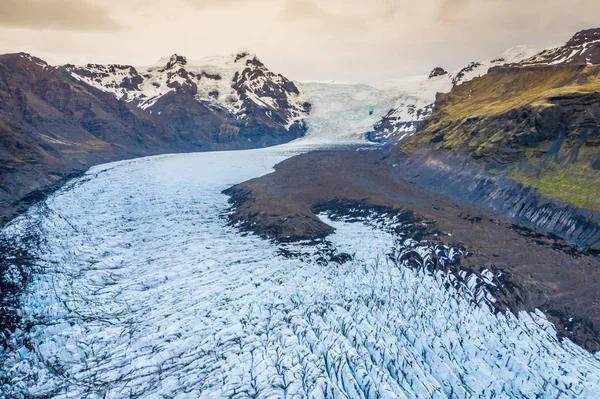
{"x": 210, "y": 228}
{"x": 144, "y": 289}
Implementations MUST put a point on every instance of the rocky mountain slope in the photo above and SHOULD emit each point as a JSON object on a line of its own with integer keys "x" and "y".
{"x": 56, "y": 121}
{"x": 583, "y": 48}
{"x": 535, "y": 123}
{"x": 414, "y": 103}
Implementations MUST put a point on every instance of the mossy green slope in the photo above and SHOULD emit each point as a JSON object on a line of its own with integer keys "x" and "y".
{"x": 539, "y": 125}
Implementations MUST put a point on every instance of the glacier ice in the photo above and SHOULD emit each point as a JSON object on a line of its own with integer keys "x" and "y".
{"x": 144, "y": 290}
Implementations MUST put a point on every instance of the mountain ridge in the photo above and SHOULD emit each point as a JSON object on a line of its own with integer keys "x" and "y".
{"x": 408, "y": 112}
{"x": 229, "y": 83}
{"x": 582, "y": 49}
{"x": 534, "y": 123}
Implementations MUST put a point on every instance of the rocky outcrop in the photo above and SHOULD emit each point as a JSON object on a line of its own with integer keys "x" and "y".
{"x": 556, "y": 130}
{"x": 460, "y": 76}
{"x": 395, "y": 125}
{"x": 458, "y": 178}
{"x": 437, "y": 71}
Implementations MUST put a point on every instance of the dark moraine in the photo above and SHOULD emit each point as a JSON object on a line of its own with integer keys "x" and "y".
{"x": 542, "y": 270}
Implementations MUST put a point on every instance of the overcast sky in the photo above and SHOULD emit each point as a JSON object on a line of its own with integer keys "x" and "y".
{"x": 347, "y": 40}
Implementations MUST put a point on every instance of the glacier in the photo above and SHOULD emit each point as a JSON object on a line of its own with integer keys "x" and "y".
{"x": 143, "y": 289}
{"x": 345, "y": 112}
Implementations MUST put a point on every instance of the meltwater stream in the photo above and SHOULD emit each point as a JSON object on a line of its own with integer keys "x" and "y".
{"x": 143, "y": 290}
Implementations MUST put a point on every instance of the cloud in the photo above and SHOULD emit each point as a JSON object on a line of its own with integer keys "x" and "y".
{"x": 303, "y": 39}
{"x": 452, "y": 10}
{"x": 205, "y": 4}
{"x": 325, "y": 14}
{"x": 74, "y": 15}
{"x": 305, "y": 9}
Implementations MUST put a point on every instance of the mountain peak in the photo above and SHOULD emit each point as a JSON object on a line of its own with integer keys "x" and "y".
{"x": 247, "y": 58}
{"x": 23, "y": 60}
{"x": 585, "y": 36}
{"x": 35, "y": 60}
{"x": 176, "y": 59}
{"x": 582, "y": 49}
{"x": 437, "y": 71}
{"x": 518, "y": 53}
{"x": 244, "y": 56}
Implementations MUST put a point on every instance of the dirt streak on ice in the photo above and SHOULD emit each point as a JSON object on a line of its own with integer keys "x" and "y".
{"x": 148, "y": 293}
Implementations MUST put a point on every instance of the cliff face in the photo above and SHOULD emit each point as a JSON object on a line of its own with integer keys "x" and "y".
{"x": 54, "y": 124}
{"x": 458, "y": 177}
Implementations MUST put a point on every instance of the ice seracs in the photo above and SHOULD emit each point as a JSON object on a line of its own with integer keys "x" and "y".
{"x": 142, "y": 289}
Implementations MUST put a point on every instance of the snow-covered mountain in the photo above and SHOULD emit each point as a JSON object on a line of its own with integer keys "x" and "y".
{"x": 415, "y": 96}
{"x": 238, "y": 84}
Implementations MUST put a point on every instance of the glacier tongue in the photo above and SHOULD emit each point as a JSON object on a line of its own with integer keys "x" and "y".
{"x": 147, "y": 292}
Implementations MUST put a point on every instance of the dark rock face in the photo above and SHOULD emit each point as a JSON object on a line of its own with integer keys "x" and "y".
{"x": 461, "y": 74}
{"x": 175, "y": 61}
{"x": 584, "y": 36}
{"x": 240, "y": 56}
{"x": 53, "y": 124}
{"x": 228, "y": 133}
{"x": 391, "y": 125}
{"x": 437, "y": 72}
{"x": 558, "y": 131}
{"x": 457, "y": 178}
